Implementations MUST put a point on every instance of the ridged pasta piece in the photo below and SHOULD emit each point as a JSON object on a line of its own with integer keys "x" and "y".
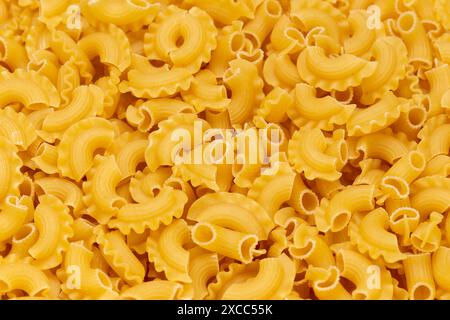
{"x": 54, "y": 224}
{"x": 233, "y": 211}
{"x": 80, "y": 280}
{"x": 198, "y": 175}
{"x": 147, "y": 81}
{"x": 317, "y": 156}
{"x": 419, "y": 276}
{"x": 274, "y": 107}
{"x": 145, "y": 185}
{"x": 44, "y": 63}
{"x": 129, "y": 150}
{"x": 308, "y": 14}
{"x": 439, "y": 82}
{"x": 336, "y": 213}
{"x": 120, "y": 257}
{"x": 78, "y": 144}
{"x": 65, "y": 190}
{"x": 68, "y": 79}
{"x": 370, "y": 235}
{"x": 438, "y": 166}
{"x": 86, "y": 102}
{"x": 17, "y": 128}
{"x": 280, "y": 71}
{"x": 13, "y": 54}
{"x": 339, "y": 73}
{"x": 325, "y": 283}
{"x": 304, "y": 111}
{"x": 226, "y": 242}
{"x": 30, "y": 89}
{"x": 22, "y": 276}
{"x": 285, "y": 37}
{"x": 225, "y": 11}
{"x": 271, "y": 191}
{"x": 153, "y": 290}
{"x": 266, "y": 15}
{"x": 100, "y": 196}
{"x": 165, "y": 248}
{"x": 302, "y": 198}
{"x": 168, "y": 204}
{"x": 10, "y": 164}
{"x": 395, "y": 182}
{"x": 129, "y": 15}
{"x": 430, "y": 194}
{"x": 357, "y": 268}
{"x": 13, "y": 214}
{"x": 203, "y": 266}
{"x": 183, "y": 38}
{"x": 308, "y": 245}
{"x": 440, "y": 263}
{"x": 435, "y": 137}
{"x": 243, "y": 99}
{"x": 269, "y": 278}
{"x": 206, "y": 94}
{"x": 362, "y": 38}
{"x": 168, "y": 136}
{"x": 392, "y": 58}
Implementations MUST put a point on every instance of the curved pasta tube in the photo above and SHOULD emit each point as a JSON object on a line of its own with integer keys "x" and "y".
{"x": 285, "y": 38}
{"x": 363, "y": 38}
{"x": 87, "y": 101}
{"x": 54, "y": 224}
{"x": 435, "y": 137}
{"x": 129, "y": 150}
{"x": 33, "y": 91}
{"x": 438, "y": 166}
{"x": 45, "y": 64}
{"x": 153, "y": 290}
{"x": 93, "y": 283}
{"x": 308, "y": 245}
{"x": 145, "y": 185}
{"x": 280, "y": 71}
{"x": 226, "y": 242}
{"x": 309, "y": 151}
{"x": 302, "y": 198}
{"x": 100, "y": 197}
{"x": 371, "y": 236}
{"x": 273, "y": 280}
{"x": 357, "y": 268}
{"x": 169, "y": 203}
{"x": 129, "y": 15}
{"x": 419, "y": 276}
{"x": 271, "y": 191}
{"x": 46, "y": 158}
{"x": 68, "y": 192}
{"x": 110, "y": 43}
{"x": 336, "y": 214}
{"x": 392, "y": 58}
{"x": 203, "y": 265}
{"x": 339, "y": 73}
{"x": 395, "y": 182}
{"x": 147, "y": 81}
{"x": 233, "y": 211}
{"x": 12, "y": 53}
{"x": 182, "y": 38}
{"x": 206, "y": 94}
{"x": 416, "y": 40}
{"x": 266, "y": 16}
{"x": 245, "y": 98}
{"x": 10, "y": 164}
{"x": 274, "y": 107}
{"x": 225, "y": 11}
{"x": 440, "y": 263}
{"x": 430, "y": 194}
{"x": 13, "y": 214}
{"x": 78, "y": 144}
{"x": 165, "y": 248}
{"x": 326, "y": 283}
{"x": 304, "y": 111}
{"x": 22, "y": 276}
{"x": 17, "y": 128}
{"x": 168, "y": 136}
{"x": 120, "y": 257}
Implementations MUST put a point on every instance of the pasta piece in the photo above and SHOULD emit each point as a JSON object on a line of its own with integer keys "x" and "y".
{"x": 280, "y": 71}
{"x": 13, "y": 214}
{"x": 153, "y": 290}
{"x": 439, "y": 81}
{"x": 419, "y": 276}
{"x": 265, "y": 17}
{"x": 22, "y": 276}
{"x": 129, "y": 151}
{"x": 65, "y": 190}
{"x": 233, "y": 211}
{"x": 440, "y": 262}
{"x": 427, "y": 236}
{"x": 166, "y": 250}
{"x": 325, "y": 283}
{"x": 224, "y": 11}
{"x": 371, "y": 236}
{"x": 339, "y": 73}
{"x": 10, "y": 164}
{"x": 203, "y": 266}
{"x": 169, "y": 203}
{"x": 16, "y": 128}
{"x": 430, "y": 194}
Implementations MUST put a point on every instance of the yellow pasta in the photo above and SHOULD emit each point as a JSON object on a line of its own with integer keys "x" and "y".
{"x": 226, "y": 149}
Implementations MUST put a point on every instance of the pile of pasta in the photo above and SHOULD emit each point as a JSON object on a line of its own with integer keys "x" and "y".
{"x": 93, "y": 206}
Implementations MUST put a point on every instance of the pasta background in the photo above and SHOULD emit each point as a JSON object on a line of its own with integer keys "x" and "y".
{"x": 348, "y": 197}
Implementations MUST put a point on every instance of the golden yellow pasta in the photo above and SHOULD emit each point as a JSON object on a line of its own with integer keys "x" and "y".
{"x": 224, "y": 149}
